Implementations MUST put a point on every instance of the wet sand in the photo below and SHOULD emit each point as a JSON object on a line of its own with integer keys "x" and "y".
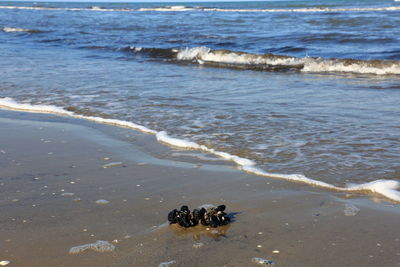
{"x": 53, "y": 170}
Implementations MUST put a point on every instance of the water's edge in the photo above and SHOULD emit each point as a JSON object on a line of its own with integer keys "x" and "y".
{"x": 384, "y": 188}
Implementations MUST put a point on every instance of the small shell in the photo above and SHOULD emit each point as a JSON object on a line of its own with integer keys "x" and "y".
{"x": 4, "y": 263}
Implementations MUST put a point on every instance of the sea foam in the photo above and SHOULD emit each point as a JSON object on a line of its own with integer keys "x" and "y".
{"x": 206, "y": 9}
{"x": 168, "y": 8}
{"x": 15, "y": 29}
{"x": 233, "y": 59}
{"x": 96, "y": 9}
{"x": 99, "y": 246}
{"x": 385, "y": 188}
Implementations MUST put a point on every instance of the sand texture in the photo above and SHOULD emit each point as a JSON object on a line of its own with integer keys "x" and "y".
{"x": 105, "y": 193}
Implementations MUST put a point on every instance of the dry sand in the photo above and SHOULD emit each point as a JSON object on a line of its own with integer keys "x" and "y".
{"x": 53, "y": 170}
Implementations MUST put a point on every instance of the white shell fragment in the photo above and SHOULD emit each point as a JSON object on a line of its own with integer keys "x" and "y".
{"x": 99, "y": 246}
{"x": 112, "y": 164}
{"x": 261, "y": 261}
{"x": 167, "y": 264}
{"x": 4, "y": 263}
{"x": 276, "y": 251}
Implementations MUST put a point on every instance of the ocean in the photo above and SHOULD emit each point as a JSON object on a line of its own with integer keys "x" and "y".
{"x": 306, "y": 91}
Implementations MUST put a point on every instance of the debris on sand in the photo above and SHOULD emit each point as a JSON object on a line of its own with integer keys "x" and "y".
{"x": 167, "y": 264}
{"x": 198, "y": 245}
{"x": 4, "y": 263}
{"x": 350, "y": 210}
{"x": 261, "y": 261}
{"x": 99, "y": 246}
{"x": 212, "y": 216}
{"x": 112, "y": 164}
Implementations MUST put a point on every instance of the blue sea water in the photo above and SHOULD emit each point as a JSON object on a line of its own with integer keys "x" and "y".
{"x": 309, "y": 87}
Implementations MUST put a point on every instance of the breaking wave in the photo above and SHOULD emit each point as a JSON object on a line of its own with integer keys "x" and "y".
{"x": 14, "y": 29}
{"x": 170, "y": 8}
{"x": 280, "y": 10}
{"x": 93, "y": 8}
{"x": 270, "y": 62}
{"x": 386, "y": 188}
{"x": 209, "y": 9}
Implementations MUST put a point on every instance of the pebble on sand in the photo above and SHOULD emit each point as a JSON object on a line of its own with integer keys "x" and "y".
{"x": 102, "y": 202}
{"x": 261, "y": 261}
{"x": 4, "y": 263}
{"x": 99, "y": 246}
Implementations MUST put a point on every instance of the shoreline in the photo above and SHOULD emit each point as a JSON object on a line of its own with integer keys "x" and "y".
{"x": 387, "y": 189}
{"x": 53, "y": 173}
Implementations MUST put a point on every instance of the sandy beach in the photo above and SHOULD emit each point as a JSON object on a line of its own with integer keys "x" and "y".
{"x": 54, "y": 171}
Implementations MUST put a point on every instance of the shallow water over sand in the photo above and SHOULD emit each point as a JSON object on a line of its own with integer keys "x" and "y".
{"x": 336, "y": 127}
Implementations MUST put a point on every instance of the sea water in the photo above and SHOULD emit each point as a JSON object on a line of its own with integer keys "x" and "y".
{"x": 307, "y": 91}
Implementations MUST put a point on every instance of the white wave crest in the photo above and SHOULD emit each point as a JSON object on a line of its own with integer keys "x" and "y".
{"x": 203, "y": 9}
{"x": 351, "y": 66}
{"x": 312, "y": 9}
{"x": 280, "y": 10}
{"x": 9, "y": 103}
{"x": 167, "y": 8}
{"x": 94, "y": 8}
{"x": 385, "y": 188}
{"x": 14, "y": 29}
{"x": 204, "y": 55}
{"x": 163, "y": 137}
